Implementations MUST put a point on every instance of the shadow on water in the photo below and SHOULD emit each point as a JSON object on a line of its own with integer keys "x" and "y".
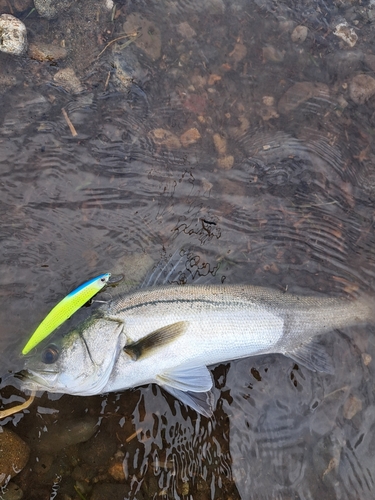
{"x": 244, "y": 129}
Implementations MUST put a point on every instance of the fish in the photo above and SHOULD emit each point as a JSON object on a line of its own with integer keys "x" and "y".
{"x": 65, "y": 309}
{"x": 170, "y": 335}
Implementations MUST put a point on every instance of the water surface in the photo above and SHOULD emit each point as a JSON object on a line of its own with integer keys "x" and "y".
{"x": 220, "y": 128}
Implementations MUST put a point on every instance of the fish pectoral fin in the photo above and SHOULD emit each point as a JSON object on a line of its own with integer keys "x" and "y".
{"x": 201, "y": 402}
{"x": 155, "y": 339}
{"x": 313, "y": 356}
{"x": 197, "y": 379}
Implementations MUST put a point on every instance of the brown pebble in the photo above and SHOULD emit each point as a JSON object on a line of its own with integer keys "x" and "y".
{"x": 116, "y": 470}
{"x": 361, "y": 88}
{"x": 14, "y": 454}
{"x": 191, "y": 136}
{"x": 165, "y": 138}
{"x": 67, "y": 78}
{"x": 185, "y": 30}
{"x": 46, "y": 52}
{"x": 351, "y": 407}
{"x": 226, "y": 162}
{"x": 212, "y": 79}
{"x": 366, "y": 358}
{"x": 239, "y": 52}
{"x": 299, "y": 34}
{"x": 220, "y": 144}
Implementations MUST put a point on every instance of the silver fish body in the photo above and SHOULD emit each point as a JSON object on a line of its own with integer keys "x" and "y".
{"x": 169, "y": 335}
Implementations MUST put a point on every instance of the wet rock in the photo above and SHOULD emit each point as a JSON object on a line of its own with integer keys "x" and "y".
{"x": 165, "y": 138}
{"x": 301, "y": 92}
{"x": 65, "y": 434}
{"x": 112, "y": 491}
{"x": 346, "y": 33}
{"x": 68, "y": 80}
{"x": 50, "y": 9}
{"x": 299, "y": 34}
{"x": 149, "y": 37}
{"x": 14, "y": 454}
{"x": 189, "y": 137}
{"x": 13, "y": 36}
{"x": 46, "y": 52}
{"x": 361, "y": 88}
{"x": 12, "y": 492}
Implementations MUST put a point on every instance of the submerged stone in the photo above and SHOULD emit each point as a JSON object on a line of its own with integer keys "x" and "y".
{"x": 14, "y": 454}
{"x": 13, "y": 36}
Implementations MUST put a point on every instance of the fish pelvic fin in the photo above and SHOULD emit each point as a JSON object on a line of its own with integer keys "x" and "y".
{"x": 201, "y": 402}
{"x": 156, "y": 339}
{"x": 192, "y": 386}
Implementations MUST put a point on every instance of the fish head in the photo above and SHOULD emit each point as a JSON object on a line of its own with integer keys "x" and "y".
{"x": 80, "y": 363}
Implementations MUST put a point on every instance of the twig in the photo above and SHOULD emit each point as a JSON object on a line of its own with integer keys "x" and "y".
{"x": 70, "y": 124}
{"x": 133, "y": 35}
{"x": 107, "y": 81}
{"x": 132, "y": 436}
{"x": 18, "y": 408}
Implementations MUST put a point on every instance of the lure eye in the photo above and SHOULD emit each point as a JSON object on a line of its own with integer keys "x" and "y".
{"x": 50, "y": 355}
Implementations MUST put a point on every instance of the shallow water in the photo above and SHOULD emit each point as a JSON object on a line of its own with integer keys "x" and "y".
{"x": 274, "y": 179}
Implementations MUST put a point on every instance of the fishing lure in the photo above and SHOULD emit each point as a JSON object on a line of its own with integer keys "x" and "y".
{"x": 66, "y": 308}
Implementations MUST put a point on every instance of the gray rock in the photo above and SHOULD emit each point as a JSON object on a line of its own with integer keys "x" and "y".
{"x": 13, "y": 36}
{"x": 65, "y": 434}
{"x": 50, "y": 9}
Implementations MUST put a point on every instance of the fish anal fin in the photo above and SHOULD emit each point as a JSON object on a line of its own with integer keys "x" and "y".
{"x": 313, "y": 356}
{"x": 155, "y": 339}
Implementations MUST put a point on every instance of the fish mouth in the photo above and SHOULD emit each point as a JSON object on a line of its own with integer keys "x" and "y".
{"x": 35, "y": 381}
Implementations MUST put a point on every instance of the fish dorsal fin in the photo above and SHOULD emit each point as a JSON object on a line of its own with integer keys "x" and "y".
{"x": 201, "y": 402}
{"x": 155, "y": 339}
{"x": 313, "y": 356}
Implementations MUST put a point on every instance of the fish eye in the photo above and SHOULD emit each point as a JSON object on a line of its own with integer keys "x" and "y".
{"x": 50, "y": 355}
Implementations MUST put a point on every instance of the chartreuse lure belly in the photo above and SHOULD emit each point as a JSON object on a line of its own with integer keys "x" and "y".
{"x": 66, "y": 308}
